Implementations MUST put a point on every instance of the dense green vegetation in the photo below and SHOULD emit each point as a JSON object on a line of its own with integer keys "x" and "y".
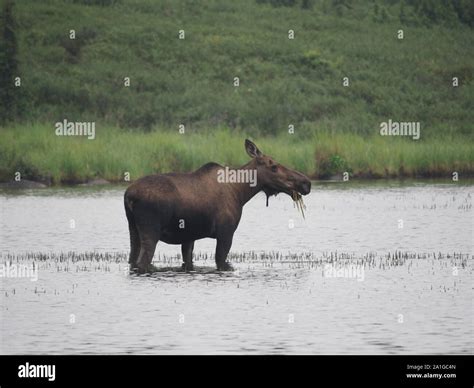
{"x": 9, "y": 96}
{"x": 115, "y": 152}
{"x": 282, "y": 81}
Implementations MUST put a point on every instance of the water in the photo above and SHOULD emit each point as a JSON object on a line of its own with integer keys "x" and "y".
{"x": 328, "y": 285}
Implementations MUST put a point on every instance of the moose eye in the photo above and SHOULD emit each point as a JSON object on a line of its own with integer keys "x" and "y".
{"x": 274, "y": 168}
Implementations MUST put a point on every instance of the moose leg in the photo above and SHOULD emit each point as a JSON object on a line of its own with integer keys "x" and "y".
{"x": 148, "y": 241}
{"x": 134, "y": 239}
{"x": 187, "y": 252}
{"x": 222, "y": 249}
{"x": 134, "y": 246}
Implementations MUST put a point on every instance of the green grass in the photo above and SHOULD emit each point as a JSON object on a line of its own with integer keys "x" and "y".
{"x": 115, "y": 151}
{"x": 282, "y": 81}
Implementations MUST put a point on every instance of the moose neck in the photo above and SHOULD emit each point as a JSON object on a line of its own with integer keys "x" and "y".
{"x": 245, "y": 191}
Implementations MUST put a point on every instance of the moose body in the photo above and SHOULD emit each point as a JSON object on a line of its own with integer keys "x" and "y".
{"x": 181, "y": 208}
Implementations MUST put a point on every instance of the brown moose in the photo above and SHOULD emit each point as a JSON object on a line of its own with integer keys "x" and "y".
{"x": 179, "y": 208}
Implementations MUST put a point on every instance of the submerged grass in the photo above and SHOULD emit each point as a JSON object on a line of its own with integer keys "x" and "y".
{"x": 94, "y": 261}
{"x": 38, "y": 154}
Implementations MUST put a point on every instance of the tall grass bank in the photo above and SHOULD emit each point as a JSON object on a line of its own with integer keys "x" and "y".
{"x": 37, "y": 153}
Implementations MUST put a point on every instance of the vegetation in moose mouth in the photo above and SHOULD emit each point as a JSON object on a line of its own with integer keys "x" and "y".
{"x": 298, "y": 201}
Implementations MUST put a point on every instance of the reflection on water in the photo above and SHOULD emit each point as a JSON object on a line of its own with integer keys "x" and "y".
{"x": 346, "y": 280}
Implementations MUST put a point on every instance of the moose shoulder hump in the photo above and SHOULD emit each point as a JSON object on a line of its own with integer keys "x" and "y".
{"x": 208, "y": 167}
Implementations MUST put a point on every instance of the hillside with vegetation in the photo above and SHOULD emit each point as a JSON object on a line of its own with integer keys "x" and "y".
{"x": 345, "y": 71}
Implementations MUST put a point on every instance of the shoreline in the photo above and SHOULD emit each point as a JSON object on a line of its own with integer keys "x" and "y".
{"x": 27, "y": 184}
{"x": 34, "y": 153}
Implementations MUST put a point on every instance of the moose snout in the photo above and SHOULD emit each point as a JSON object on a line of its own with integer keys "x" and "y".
{"x": 305, "y": 187}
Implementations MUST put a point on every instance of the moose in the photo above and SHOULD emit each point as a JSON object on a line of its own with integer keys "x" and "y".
{"x": 180, "y": 208}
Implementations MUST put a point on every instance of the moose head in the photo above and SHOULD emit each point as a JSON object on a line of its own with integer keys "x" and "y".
{"x": 275, "y": 178}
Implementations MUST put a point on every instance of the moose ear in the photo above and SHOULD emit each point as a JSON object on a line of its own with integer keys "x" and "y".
{"x": 252, "y": 149}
